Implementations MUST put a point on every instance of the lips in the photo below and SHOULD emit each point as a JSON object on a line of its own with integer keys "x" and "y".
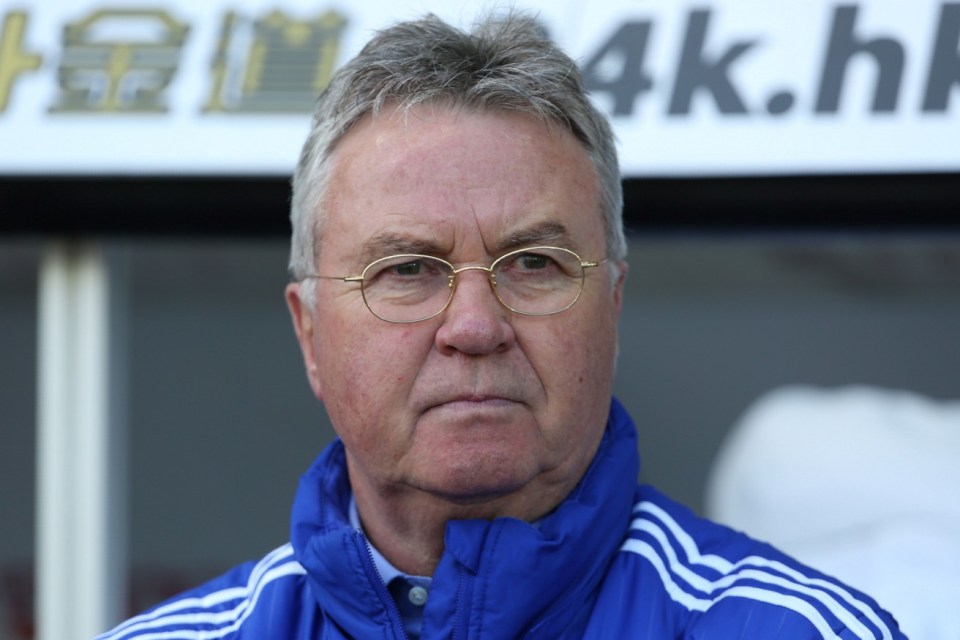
{"x": 473, "y": 401}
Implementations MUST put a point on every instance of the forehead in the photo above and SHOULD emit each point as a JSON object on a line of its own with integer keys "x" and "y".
{"x": 445, "y": 181}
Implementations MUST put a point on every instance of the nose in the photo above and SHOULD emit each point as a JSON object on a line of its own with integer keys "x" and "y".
{"x": 474, "y": 323}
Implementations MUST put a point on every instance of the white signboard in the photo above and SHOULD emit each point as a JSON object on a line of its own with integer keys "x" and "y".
{"x": 721, "y": 87}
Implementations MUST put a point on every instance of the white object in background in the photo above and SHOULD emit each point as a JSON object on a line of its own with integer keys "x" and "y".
{"x": 81, "y": 452}
{"x": 861, "y": 483}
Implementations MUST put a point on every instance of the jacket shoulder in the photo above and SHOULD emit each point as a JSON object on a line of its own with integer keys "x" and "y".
{"x": 243, "y": 602}
{"x": 708, "y": 577}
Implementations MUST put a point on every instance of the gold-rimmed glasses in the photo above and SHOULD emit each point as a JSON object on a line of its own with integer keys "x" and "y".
{"x": 410, "y": 287}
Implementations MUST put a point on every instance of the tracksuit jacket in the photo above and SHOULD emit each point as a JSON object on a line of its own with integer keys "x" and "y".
{"x": 612, "y": 561}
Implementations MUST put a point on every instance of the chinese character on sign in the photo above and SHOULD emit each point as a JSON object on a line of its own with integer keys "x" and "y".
{"x": 119, "y": 60}
{"x": 13, "y": 59}
{"x": 274, "y": 64}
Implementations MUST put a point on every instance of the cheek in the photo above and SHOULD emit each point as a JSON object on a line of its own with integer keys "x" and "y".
{"x": 367, "y": 371}
{"x": 570, "y": 358}
{"x": 575, "y": 365}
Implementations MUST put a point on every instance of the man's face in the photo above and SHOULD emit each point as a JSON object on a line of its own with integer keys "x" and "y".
{"x": 477, "y": 405}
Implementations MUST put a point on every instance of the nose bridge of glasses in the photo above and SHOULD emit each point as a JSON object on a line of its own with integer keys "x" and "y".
{"x": 472, "y": 267}
{"x": 491, "y": 277}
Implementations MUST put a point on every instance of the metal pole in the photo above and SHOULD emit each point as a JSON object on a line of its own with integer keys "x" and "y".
{"x": 81, "y": 451}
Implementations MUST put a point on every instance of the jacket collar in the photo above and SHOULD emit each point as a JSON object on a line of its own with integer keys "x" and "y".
{"x": 559, "y": 563}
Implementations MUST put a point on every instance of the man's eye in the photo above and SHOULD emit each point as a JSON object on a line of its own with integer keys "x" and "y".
{"x": 532, "y": 261}
{"x": 412, "y": 268}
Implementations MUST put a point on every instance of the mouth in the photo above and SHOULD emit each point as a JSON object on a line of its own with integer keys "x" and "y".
{"x": 472, "y": 403}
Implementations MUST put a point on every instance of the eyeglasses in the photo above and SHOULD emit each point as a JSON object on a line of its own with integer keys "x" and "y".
{"x": 535, "y": 281}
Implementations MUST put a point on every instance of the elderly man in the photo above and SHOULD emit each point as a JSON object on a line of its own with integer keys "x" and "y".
{"x": 458, "y": 266}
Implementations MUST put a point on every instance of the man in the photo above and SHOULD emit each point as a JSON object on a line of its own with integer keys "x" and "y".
{"x": 458, "y": 265}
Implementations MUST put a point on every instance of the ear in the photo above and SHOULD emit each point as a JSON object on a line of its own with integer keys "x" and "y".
{"x": 302, "y": 316}
{"x": 622, "y": 269}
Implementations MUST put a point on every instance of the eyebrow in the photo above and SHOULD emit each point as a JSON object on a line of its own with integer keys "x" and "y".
{"x": 543, "y": 233}
{"x": 388, "y": 243}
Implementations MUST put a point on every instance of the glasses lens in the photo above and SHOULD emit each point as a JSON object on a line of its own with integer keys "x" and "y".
{"x": 539, "y": 280}
{"x": 407, "y": 288}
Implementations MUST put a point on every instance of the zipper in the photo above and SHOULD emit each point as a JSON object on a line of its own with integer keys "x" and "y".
{"x": 381, "y": 588}
{"x": 460, "y": 604}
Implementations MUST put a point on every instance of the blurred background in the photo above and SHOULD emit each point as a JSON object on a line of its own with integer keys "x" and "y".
{"x": 792, "y": 187}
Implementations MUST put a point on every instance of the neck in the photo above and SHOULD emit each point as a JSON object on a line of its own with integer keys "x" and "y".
{"x": 408, "y": 525}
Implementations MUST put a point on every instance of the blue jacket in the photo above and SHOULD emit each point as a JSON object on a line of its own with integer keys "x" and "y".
{"x": 612, "y": 561}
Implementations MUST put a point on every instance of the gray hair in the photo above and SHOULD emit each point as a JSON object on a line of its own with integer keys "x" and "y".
{"x": 507, "y": 63}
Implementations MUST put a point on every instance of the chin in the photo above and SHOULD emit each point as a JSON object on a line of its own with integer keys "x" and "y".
{"x": 476, "y": 485}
